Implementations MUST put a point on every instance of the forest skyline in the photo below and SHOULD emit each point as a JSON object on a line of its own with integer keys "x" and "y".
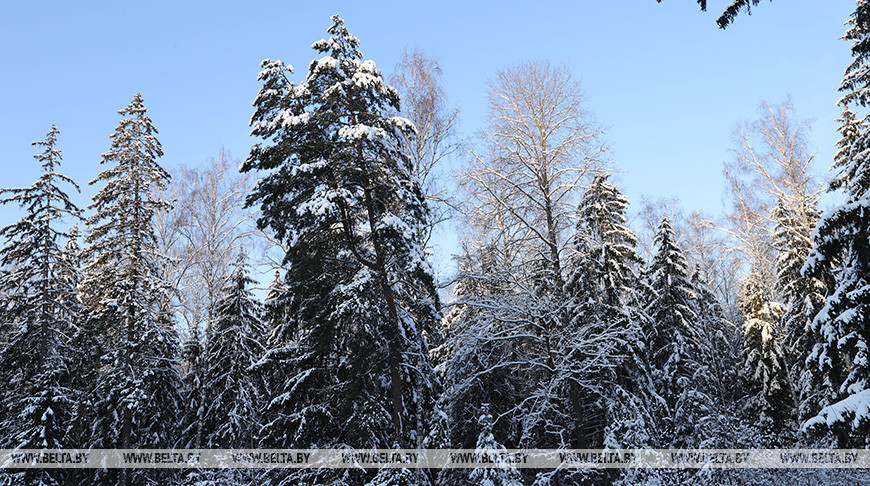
{"x": 668, "y": 137}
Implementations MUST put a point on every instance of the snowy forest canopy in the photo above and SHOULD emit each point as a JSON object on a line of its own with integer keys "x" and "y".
{"x": 134, "y": 323}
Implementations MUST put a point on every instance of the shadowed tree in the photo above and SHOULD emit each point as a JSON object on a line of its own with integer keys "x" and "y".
{"x": 39, "y": 392}
{"x": 126, "y": 300}
{"x": 337, "y": 188}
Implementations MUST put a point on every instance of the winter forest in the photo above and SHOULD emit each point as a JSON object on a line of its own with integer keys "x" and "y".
{"x": 288, "y": 300}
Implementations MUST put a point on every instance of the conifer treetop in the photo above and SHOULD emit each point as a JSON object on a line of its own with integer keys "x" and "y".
{"x": 35, "y": 236}
{"x": 125, "y": 206}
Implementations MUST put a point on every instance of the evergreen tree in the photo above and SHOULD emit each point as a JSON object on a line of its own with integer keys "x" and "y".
{"x": 68, "y": 272}
{"x": 486, "y": 444}
{"x": 601, "y": 288}
{"x": 770, "y": 403}
{"x": 606, "y": 249}
{"x": 803, "y": 298}
{"x": 339, "y": 193}
{"x": 231, "y": 394}
{"x": 136, "y": 396}
{"x": 190, "y": 427}
{"x": 191, "y": 392}
{"x": 83, "y": 361}
{"x": 39, "y": 391}
{"x": 843, "y": 242}
{"x": 276, "y": 308}
{"x": 674, "y": 341}
{"x": 603, "y": 308}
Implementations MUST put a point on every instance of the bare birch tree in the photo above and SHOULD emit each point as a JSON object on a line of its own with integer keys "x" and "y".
{"x": 540, "y": 146}
{"x": 205, "y": 233}
{"x": 775, "y": 211}
{"x": 771, "y": 163}
{"x": 423, "y": 101}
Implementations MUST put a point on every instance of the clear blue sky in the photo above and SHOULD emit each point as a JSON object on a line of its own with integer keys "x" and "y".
{"x": 669, "y": 85}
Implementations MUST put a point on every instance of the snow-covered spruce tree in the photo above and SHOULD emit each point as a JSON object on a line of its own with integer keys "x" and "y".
{"x": 486, "y": 444}
{"x": 192, "y": 404}
{"x": 769, "y": 405}
{"x": 39, "y": 393}
{"x": 233, "y": 345}
{"x": 720, "y": 352}
{"x": 231, "y": 396}
{"x": 68, "y": 271}
{"x": 602, "y": 308}
{"x": 339, "y": 193}
{"x": 126, "y": 298}
{"x": 276, "y": 307}
{"x": 83, "y": 362}
{"x": 803, "y": 297}
{"x": 69, "y": 274}
{"x": 674, "y": 341}
{"x": 601, "y": 288}
{"x": 190, "y": 425}
{"x": 605, "y": 243}
{"x": 843, "y": 241}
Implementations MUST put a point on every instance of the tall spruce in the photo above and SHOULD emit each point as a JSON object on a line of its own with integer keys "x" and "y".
{"x": 803, "y": 297}
{"x": 340, "y": 194}
{"x": 192, "y": 402}
{"x": 770, "y": 402}
{"x": 843, "y": 242}
{"x": 39, "y": 393}
{"x": 276, "y": 308}
{"x": 601, "y": 287}
{"x": 674, "y": 341}
{"x": 83, "y": 362}
{"x": 603, "y": 307}
{"x": 137, "y": 392}
{"x": 604, "y": 244}
{"x": 231, "y": 393}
